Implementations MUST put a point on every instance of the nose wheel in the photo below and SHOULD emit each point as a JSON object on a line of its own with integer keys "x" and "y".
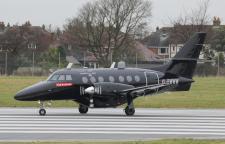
{"x": 83, "y": 109}
{"x": 42, "y": 111}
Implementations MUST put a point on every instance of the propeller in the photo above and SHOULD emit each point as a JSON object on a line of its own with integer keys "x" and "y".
{"x": 93, "y": 90}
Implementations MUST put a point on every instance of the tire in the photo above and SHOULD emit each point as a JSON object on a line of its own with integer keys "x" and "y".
{"x": 42, "y": 112}
{"x": 129, "y": 111}
{"x": 83, "y": 109}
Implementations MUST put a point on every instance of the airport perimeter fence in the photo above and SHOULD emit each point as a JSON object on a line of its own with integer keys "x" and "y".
{"x": 202, "y": 70}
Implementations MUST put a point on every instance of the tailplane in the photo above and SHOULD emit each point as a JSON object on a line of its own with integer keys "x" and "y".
{"x": 184, "y": 62}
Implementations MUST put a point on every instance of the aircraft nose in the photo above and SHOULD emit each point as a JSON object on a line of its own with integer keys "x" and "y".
{"x": 19, "y": 96}
{"x": 23, "y": 95}
{"x": 30, "y": 93}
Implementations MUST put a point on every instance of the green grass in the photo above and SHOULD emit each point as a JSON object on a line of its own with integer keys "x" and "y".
{"x": 208, "y": 92}
{"x": 9, "y": 86}
{"x": 205, "y": 93}
{"x": 181, "y": 141}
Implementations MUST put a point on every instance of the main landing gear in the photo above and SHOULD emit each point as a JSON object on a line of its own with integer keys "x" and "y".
{"x": 83, "y": 109}
{"x": 129, "y": 110}
{"x": 42, "y": 111}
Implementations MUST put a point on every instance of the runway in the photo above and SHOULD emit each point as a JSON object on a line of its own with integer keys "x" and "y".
{"x": 24, "y": 124}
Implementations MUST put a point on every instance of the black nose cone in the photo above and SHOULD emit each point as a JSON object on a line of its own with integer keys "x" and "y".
{"x": 18, "y": 96}
{"x": 22, "y": 95}
{"x": 31, "y": 93}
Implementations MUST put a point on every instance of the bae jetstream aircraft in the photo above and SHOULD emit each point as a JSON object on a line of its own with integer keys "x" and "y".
{"x": 112, "y": 87}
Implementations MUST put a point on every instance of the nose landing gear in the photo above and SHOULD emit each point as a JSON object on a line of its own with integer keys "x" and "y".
{"x": 42, "y": 111}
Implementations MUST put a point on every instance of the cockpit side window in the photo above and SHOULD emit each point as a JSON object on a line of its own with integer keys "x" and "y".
{"x": 54, "y": 77}
{"x": 57, "y": 77}
{"x": 68, "y": 77}
{"x": 61, "y": 78}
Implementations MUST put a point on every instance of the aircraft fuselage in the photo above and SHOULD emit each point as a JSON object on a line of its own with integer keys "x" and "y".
{"x": 70, "y": 84}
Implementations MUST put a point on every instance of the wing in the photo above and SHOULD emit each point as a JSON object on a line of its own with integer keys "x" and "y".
{"x": 106, "y": 88}
{"x": 144, "y": 89}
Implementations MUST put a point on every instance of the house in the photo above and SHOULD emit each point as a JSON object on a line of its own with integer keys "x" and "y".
{"x": 146, "y": 58}
{"x": 158, "y": 42}
{"x": 76, "y": 53}
{"x": 147, "y": 54}
{"x": 166, "y": 42}
{"x": 20, "y": 41}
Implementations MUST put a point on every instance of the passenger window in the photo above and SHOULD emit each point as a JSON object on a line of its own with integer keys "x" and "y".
{"x": 61, "y": 77}
{"x": 121, "y": 78}
{"x": 100, "y": 79}
{"x": 129, "y": 78}
{"x": 137, "y": 78}
{"x": 111, "y": 79}
{"x": 85, "y": 80}
{"x": 68, "y": 77}
{"x": 93, "y": 80}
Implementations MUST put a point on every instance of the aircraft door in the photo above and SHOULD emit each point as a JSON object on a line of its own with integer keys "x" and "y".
{"x": 151, "y": 78}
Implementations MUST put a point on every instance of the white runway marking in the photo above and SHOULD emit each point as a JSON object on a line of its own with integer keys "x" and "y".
{"x": 110, "y": 120}
{"x": 103, "y": 130}
{"x": 114, "y": 132}
{"x": 23, "y": 124}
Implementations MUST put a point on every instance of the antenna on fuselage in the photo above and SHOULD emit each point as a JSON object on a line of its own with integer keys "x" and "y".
{"x": 69, "y": 66}
{"x": 113, "y": 65}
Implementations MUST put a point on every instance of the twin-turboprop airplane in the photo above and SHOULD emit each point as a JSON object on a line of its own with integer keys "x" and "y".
{"x": 112, "y": 87}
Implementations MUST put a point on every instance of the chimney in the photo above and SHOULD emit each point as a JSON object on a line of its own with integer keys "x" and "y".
{"x": 2, "y": 26}
{"x": 216, "y": 21}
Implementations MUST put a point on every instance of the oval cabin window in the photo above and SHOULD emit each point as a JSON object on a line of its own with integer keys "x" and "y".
{"x": 129, "y": 78}
{"x": 100, "y": 79}
{"x": 85, "y": 80}
{"x": 137, "y": 78}
{"x": 121, "y": 78}
{"x": 111, "y": 79}
{"x": 93, "y": 80}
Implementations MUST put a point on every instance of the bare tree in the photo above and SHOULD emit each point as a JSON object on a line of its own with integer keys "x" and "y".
{"x": 194, "y": 21}
{"x": 108, "y": 26}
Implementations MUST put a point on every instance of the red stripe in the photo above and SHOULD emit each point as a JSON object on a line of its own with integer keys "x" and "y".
{"x": 63, "y": 84}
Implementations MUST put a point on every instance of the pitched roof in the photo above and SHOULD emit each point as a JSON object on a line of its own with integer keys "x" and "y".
{"x": 146, "y": 53}
{"x": 156, "y": 39}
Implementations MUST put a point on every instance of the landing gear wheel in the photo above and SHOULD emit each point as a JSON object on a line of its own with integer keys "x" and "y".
{"x": 129, "y": 111}
{"x": 83, "y": 109}
{"x": 42, "y": 112}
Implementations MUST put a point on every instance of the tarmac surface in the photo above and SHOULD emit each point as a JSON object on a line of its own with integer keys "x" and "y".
{"x": 24, "y": 124}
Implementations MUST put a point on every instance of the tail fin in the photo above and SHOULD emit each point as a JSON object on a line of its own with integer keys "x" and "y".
{"x": 185, "y": 61}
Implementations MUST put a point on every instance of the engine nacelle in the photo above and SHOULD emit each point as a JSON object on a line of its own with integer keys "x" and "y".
{"x": 106, "y": 88}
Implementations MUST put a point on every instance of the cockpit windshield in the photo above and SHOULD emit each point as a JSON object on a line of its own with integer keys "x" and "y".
{"x": 60, "y": 77}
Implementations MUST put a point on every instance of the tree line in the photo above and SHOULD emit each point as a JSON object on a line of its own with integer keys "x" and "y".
{"x": 108, "y": 29}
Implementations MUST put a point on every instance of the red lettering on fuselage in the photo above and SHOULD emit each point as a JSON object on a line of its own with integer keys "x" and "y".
{"x": 63, "y": 84}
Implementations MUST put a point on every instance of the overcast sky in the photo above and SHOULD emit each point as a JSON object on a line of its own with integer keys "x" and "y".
{"x": 57, "y": 11}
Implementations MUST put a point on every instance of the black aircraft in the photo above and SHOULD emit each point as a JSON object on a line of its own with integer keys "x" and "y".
{"x": 112, "y": 87}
